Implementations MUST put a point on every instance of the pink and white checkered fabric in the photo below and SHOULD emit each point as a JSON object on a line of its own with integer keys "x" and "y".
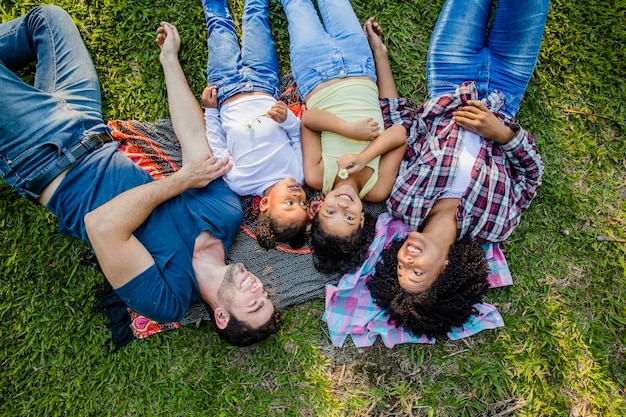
{"x": 351, "y": 311}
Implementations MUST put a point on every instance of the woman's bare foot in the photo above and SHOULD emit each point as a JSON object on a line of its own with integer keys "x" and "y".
{"x": 374, "y": 33}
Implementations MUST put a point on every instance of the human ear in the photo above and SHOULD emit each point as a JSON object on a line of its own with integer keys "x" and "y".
{"x": 221, "y": 318}
{"x": 362, "y": 219}
{"x": 264, "y": 204}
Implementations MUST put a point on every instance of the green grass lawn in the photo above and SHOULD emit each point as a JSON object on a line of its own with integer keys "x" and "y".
{"x": 562, "y": 352}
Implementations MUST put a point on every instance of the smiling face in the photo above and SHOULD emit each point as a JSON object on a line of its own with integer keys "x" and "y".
{"x": 420, "y": 262}
{"x": 286, "y": 203}
{"x": 341, "y": 211}
{"x": 241, "y": 293}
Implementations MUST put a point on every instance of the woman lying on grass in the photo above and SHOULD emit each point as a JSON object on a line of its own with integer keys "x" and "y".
{"x": 469, "y": 170}
{"x": 345, "y": 154}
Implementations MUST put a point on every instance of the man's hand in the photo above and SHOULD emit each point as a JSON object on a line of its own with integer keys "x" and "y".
{"x": 476, "y": 118}
{"x": 185, "y": 111}
{"x": 168, "y": 40}
{"x": 364, "y": 129}
{"x": 278, "y": 112}
{"x": 199, "y": 172}
{"x": 209, "y": 97}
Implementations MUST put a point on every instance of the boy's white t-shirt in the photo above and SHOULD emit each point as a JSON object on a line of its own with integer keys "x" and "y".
{"x": 263, "y": 152}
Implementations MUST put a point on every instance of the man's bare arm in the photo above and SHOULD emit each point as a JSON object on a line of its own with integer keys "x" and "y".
{"x": 185, "y": 111}
{"x": 110, "y": 227}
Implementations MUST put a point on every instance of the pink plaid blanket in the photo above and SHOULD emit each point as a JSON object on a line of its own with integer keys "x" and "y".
{"x": 351, "y": 311}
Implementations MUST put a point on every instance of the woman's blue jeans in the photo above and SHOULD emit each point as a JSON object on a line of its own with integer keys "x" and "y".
{"x": 40, "y": 123}
{"x": 338, "y": 49}
{"x": 461, "y": 49}
{"x": 232, "y": 70}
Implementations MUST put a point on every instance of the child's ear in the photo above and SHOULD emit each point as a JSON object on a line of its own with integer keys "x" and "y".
{"x": 264, "y": 204}
{"x": 362, "y": 219}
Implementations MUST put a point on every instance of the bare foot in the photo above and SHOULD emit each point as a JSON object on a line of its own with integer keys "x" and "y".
{"x": 374, "y": 33}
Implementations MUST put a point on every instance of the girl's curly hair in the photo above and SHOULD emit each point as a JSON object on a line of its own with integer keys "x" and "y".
{"x": 268, "y": 231}
{"x": 341, "y": 254}
{"x": 447, "y": 303}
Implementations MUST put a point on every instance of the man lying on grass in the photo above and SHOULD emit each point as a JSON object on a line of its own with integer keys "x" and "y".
{"x": 161, "y": 244}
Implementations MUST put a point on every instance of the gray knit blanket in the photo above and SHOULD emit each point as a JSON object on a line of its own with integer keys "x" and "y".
{"x": 288, "y": 275}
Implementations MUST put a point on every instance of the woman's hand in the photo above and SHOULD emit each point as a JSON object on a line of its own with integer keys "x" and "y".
{"x": 476, "y": 118}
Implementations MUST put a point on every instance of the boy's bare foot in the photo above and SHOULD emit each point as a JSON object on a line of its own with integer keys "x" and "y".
{"x": 374, "y": 33}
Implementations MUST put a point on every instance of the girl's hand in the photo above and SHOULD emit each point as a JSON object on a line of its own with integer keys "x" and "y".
{"x": 209, "y": 97}
{"x": 200, "y": 172}
{"x": 278, "y": 112}
{"x": 476, "y": 118}
{"x": 352, "y": 163}
{"x": 364, "y": 129}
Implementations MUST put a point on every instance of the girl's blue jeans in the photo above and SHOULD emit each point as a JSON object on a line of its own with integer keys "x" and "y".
{"x": 336, "y": 49}
{"x": 39, "y": 123}
{"x": 503, "y": 57}
{"x": 254, "y": 66}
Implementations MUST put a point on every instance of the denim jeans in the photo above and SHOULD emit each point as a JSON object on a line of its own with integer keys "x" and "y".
{"x": 338, "y": 49}
{"x": 254, "y": 67}
{"x": 40, "y": 123}
{"x": 504, "y": 58}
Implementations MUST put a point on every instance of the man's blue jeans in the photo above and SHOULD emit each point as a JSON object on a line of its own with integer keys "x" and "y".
{"x": 504, "y": 58}
{"x": 40, "y": 123}
{"x": 338, "y": 49}
{"x": 232, "y": 70}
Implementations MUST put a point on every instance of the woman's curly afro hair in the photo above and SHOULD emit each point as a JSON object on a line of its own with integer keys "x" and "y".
{"x": 268, "y": 231}
{"x": 447, "y": 303}
{"x": 341, "y": 254}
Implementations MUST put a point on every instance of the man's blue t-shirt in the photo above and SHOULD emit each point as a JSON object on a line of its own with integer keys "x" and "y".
{"x": 165, "y": 291}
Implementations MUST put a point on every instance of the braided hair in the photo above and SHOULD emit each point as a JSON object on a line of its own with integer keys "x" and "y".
{"x": 449, "y": 300}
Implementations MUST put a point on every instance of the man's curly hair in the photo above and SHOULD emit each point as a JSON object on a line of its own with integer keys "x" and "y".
{"x": 239, "y": 333}
{"x": 268, "y": 231}
{"x": 449, "y": 300}
{"x": 341, "y": 254}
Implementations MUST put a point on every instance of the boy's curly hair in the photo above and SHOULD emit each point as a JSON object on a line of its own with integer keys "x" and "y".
{"x": 268, "y": 231}
{"x": 447, "y": 303}
{"x": 341, "y": 254}
{"x": 239, "y": 333}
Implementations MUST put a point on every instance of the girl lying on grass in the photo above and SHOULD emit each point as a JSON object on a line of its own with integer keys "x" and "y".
{"x": 345, "y": 153}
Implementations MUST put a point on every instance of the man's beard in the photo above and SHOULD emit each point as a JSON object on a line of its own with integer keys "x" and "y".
{"x": 227, "y": 288}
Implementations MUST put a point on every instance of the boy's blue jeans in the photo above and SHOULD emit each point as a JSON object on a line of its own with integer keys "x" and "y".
{"x": 336, "y": 49}
{"x": 504, "y": 58}
{"x": 254, "y": 66}
{"x": 40, "y": 123}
